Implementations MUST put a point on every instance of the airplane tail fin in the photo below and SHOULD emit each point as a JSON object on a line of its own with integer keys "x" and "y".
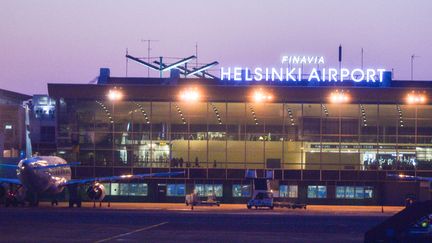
{"x": 29, "y": 151}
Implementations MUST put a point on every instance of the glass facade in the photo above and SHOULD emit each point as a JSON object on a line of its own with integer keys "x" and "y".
{"x": 317, "y": 191}
{"x": 126, "y": 189}
{"x": 290, "y": 191}
{"x": 354, "y": 192}
{"x": 176, "y": 190}
{"x": 101, "y": 133}
{"x": 241, "y": 190}
{"x": 205, "y": 190}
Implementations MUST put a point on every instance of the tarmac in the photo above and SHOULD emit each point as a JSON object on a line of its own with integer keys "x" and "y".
{"x": 241, "y": 208}
{"x": 174, "y": 222}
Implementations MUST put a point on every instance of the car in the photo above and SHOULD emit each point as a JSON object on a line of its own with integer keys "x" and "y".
{"x": 261, "y": 199}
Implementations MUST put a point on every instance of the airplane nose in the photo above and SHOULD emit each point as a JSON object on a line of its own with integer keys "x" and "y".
{"x": 25, "y": 163}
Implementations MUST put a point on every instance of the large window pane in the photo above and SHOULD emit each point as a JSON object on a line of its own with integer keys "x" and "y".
{"x": 138, "y": 189}
{"x": 349, "y": 192}
{"x": 340, "y": 192}
{"x": 322, "y": 192}
{"x": 176, "y": 190}
{"x": 312, "y": 192}
{"x": 204, "y": 190}
{"x": 241, "y": 190}
{"x": 368, "y": 192}
{"x": 290, "y": 191}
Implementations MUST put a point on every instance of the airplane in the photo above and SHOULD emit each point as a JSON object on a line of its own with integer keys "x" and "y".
{"x": 51, "y": 174}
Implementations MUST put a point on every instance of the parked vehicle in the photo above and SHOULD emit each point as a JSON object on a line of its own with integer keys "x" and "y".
{"x": 193, "y": 200}
{"x": 261, "y": 199}
{"x": 292, "y": 205}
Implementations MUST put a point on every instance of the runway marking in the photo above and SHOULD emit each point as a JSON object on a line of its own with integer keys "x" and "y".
{"x": 131, "y": 232}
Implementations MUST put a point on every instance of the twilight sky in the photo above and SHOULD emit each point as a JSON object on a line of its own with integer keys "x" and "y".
{"x": 54, "y": 41}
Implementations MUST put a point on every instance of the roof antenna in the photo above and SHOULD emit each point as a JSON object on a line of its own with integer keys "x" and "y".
{"x": 196, "y": 54}
{"x": 412, "y": 66}
{"x": 148, "y": 52}
{"x": 127, "y": 62}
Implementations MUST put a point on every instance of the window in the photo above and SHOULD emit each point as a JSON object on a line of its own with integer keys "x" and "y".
{"x": 199, "y": 190}
{"x": 126, "y": 189}
{"x": 114, "y": 189}
{"x": 290, "y": 191}
{"x": 322, "y": 191}
{"x": 241, "y": 190}
{"x": 359, "y": 192}
{"x": 351, "y": 192}
{"x": 176, "y": 190}
{"x": 368, "y": 192}
{"x": 204, "y": 190}
{"x": 317, "y": 192}
{"x": 138, "y": 189}
{"x": 340, "y": 192}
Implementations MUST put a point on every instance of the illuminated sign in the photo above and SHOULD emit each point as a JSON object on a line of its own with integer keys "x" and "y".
{"x": 295, "y": 73}
{"x": 303, "y": 59}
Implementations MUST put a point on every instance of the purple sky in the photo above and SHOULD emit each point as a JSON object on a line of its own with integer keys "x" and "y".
{"x": 55, "y": 41}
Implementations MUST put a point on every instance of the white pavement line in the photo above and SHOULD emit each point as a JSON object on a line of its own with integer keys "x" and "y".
{"x": 131, "y": 232}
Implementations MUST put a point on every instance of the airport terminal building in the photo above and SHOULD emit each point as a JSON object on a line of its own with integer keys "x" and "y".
{"x": 319, "y": 142}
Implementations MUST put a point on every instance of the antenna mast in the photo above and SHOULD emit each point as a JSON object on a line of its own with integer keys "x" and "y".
{"x": 148, "y": 52}
{"x": 196, "y": 54}
{"x": 127, "y": 62}
{"x": 412, "y": 66}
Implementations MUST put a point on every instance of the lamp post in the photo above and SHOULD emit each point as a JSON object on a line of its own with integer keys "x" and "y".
{"x": 416, "y": 98}
{"x": 113, "y": 95}
{"x": 339, "y": 97}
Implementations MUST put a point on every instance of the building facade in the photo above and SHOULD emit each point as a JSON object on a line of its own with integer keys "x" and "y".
{"x": 42, "y": 125}
{"x": 12, "y": 123}
{"x": 326, "y": 144}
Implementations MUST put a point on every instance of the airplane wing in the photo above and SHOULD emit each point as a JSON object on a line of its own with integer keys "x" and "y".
{"x": 408, "y": 177}
{"x": 9, "y": 166}
{"x": 10, "y": 181}
{"x": 120, "y": 178}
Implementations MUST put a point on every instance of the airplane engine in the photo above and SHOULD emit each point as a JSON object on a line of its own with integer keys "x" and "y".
{"x": 96, "y": 192}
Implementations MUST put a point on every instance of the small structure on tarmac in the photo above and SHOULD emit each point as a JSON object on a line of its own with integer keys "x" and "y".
{"x": 193, "y": 200}
{"x": 263, "y": 196}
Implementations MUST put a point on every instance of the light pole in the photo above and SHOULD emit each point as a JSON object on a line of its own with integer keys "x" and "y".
{"x": 113, "y": 95}
{"x": 416, "y": 98}
{"x": 339, "y": 97}
{"x": 412, "y": 65}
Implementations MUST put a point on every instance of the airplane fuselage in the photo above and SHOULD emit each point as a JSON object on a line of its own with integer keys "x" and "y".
{"x": 43, "y": 180}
